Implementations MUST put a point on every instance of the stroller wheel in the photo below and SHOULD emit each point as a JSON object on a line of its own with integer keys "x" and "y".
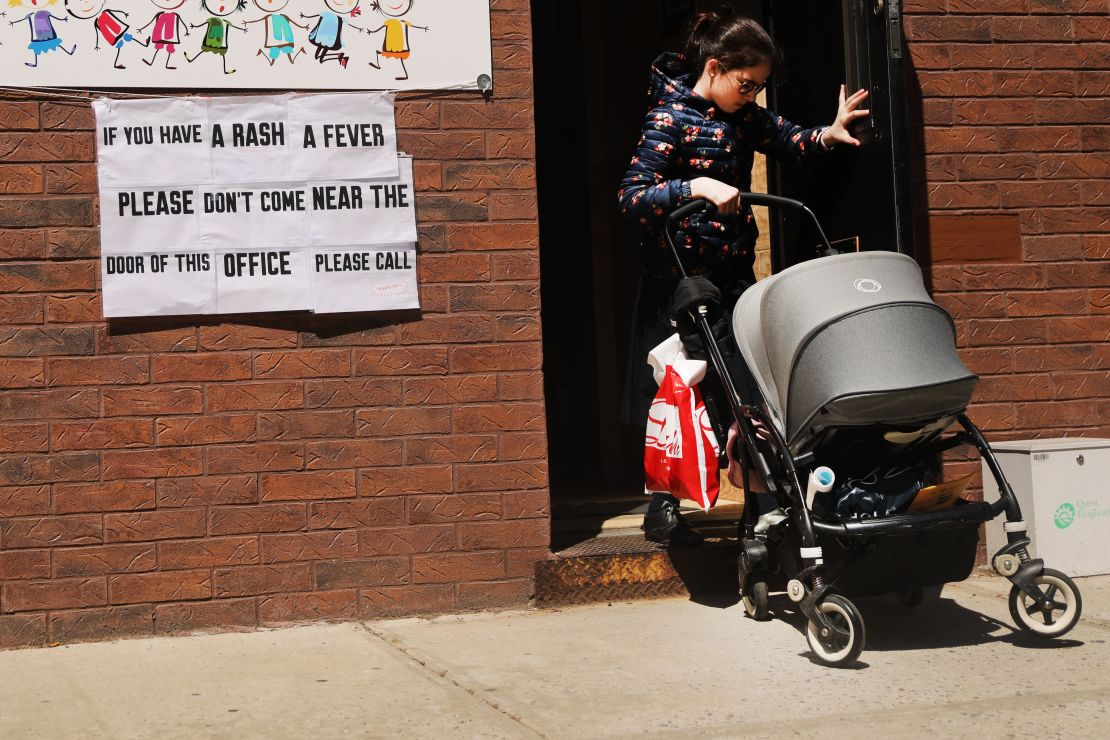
{"x": 755, "y": 600}
{"x": 1059, "y": 616}
{"x": 845, "y": 643}
{"x": 911, "y": 596}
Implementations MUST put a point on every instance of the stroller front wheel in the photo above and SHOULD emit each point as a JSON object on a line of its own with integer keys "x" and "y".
{"x": 844, "y": 644}
{"x": 755, "y": 600}
{"x": 1052, "y": 618}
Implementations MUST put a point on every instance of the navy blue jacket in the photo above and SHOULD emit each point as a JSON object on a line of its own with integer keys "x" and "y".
{"x": 686, "y": 136}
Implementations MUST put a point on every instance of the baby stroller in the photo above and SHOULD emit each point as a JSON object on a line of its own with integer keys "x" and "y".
{"x": 844, "y": 363}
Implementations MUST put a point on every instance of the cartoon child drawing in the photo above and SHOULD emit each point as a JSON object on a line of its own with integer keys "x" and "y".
{"x": 279, "y": 31}
{"x": 44, "y": 39}
{"x": 395, "y": 45}
{"x": 215, "y": 37}
{"x": 327, "y": 34}
{"x": 165, "y": 32}
{"x": 109, "y": 24}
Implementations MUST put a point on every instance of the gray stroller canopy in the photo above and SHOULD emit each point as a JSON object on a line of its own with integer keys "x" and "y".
{"x": 851, "y": 340}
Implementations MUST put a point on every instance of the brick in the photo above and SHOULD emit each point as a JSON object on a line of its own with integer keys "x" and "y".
{"x": 520, "y": 387}
{"x": 70, "y": 244}
{"x": 1054, "y": 358}
{"x": 517, "y": 328}
{"x": 100, "y": 624}
{"x": 253, "y": 458}
{"x": 457, "y": 567}
{"x": 1079, "y": 329}
{"x": 988, "y": 360}
{"x": 287, "y": 548}
{"x": 512, "y": 56}
{"x": 991, "y": 56}
{"x": 173, "y": 462}
{"x": 994, "y": 111}
{"x": 1028, "y": 28}
{"x": 499, "y": 417}
{"x": 403, "y": 421}
{"x": 27, "y": 470}
{"x": 21, "y": 213}
{"x": 950, "y": 84}
{"x": 21, "y": 309}
{"x": 400, "y": 361}
{"x": 224, "y": 337}
{"x": 120, "y": 338}
{"x": 142, "y": 588}
{"x": 450, "y": 449}
{"x": 453, "y": 268}
{"x": 512, "y": 206}
{"x": 308, "y": 607}
{"x": 46, "y": 341}
{"x": 20, "y": 630}
{"x": 523, "y": 446}
{"x": 295, "y": 425}
{"x": 984, "y": 332}
{"x": 526, "y": 504}
{"x": 994, "y": 417}
{"x": 947, "y": 28}
{"x": 1070, "y": 56}
{"x": 452, "y": 329}
{"x": 352, "y": 454}
{"x": 366, "y": 331}
{"x": 495, "y": 595}
{"x": 209, "y": 553}
{"x": 102, "y": 497}
{"x": 348, "y": 393}
{"x": 104, "y": 560}
{"x": 1003, "y": 277}
{"x": 177, "y": 368}
{"x": 501, "y": 476}
{"x": 417, "y": 114}
{"x": 21, "y": 179}
{"x": 407, "y": 540}
{"x": 1039, "y": 139}
{"x": 1016, "y": 84}
{"x": 960, "y": 139}
{"x": 206, "y": 430}
{"x": 21, "y": 244}
{"x": 68, "y": 116}
{"x": 488, "y": 176}
{"x": 378, "y": 512}
{"x": 149, "y": 526}
{"x": 1024, "y": 194}
{"x": 57, "y": 594}
{"x": 25, "y": 564}
{"x": 262, "y": 579}
{"x": 1092, "y": 385}
{"x": 453, "y": 508}
{"x": 71, "y": 179}
{"x": 493, "y": 236}
{"x": 228, "y": 520}
{"x": 960, "y": 195}
{"x": 105, "y": 434}
{"x": 25, "y": 438}
{"x": 388, "y": 571}
{"x": 306, "y": 486}
{"x": 441, "y": 145}
{"x": 207, "y": 491}
{"x": 314, "y": 363}
{"x": 73, "y": 309}
{"x": 496, "y": 357}
{"x": 522, "y": 563}
{"x": 510, "y": 145}
{"x": 396, "y": 601}
{"x": 1074, "y": 110}
{"x": 492, "y": 535}
{"x": 19, "y": 115}
{"x": 1014, "y": 388}
{"x": 267, "y": 396}
{"x": 494, "y": 298}
{"x": 450, "y": 389}
{"x": 171, "y": 618}
{"x": 1047, "y": 303}
{"x": 152, "y": 401}
{"x": 24, "y": 500}
{"x": 1055, "y": 414}
{"x": 406, "y": 480}
{"x": 487, "y": 115}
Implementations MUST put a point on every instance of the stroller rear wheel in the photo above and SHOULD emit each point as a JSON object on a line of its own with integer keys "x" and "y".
{"x": 844, "y": 644}
{"x": 755, "y": 600}
{"x": 910, "y": 596}
{"x": 1055, "y": 618}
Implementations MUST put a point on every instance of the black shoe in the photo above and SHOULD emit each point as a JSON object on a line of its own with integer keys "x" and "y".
{"x": 665, "y": 525}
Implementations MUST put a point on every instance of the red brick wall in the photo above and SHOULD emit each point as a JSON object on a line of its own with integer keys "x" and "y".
{"x": 1015, "y": 122}
{"x": 163, "y": 475}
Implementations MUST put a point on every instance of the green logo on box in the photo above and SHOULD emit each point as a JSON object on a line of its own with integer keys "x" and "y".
{"x": 1065, "y": 515}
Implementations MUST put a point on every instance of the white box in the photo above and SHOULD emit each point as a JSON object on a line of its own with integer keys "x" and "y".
{"x": 1063, "y": 486}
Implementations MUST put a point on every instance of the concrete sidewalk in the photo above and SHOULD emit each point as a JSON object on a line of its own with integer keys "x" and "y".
{"x": 952, "y": 667}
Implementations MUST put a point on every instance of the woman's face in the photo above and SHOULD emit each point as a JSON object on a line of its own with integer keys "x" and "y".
{"x": 341, "y": 6}
{"x": 168, "y": 4}
{"x": 271, "y": 6}
{"x": 732, "y": 89}
{"x": 84, "y": 8}
{"x": 220, "y": 8}
{"x": 395, "y": 8}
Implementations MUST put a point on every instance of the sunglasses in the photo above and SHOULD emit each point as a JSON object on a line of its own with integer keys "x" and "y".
{"x": 747, "y": 87}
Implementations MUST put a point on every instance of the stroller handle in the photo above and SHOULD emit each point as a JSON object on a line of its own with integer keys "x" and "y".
{"x": 756, "y": 199}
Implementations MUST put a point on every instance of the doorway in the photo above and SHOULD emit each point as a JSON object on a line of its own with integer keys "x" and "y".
{"x": 591, "y": 63}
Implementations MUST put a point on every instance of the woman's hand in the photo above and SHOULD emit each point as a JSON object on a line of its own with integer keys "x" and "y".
{"x": 725, "y": 197}
{"x": 837, "y": 133}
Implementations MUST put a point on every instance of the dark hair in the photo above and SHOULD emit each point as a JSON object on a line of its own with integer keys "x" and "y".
{"x": 734, "y": 40}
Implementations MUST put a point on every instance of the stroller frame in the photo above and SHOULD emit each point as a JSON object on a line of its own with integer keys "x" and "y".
{"x": 836, "y": 630}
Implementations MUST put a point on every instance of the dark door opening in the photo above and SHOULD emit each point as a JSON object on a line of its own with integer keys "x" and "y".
{"x": 591, "y": 64}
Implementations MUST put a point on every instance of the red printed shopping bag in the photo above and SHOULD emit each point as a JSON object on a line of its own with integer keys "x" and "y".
{"x": 680, "y": 448}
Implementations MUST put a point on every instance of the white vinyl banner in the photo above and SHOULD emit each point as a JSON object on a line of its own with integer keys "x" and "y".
{"x": 247, "y": 44}
{"x": 225, "y": 205}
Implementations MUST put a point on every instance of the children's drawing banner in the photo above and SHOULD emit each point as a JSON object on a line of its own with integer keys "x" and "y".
{"x": 255, "y": 44}
{"x": 249, "y": 204}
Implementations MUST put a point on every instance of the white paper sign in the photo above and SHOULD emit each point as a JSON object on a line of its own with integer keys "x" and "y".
{"x": 244, "y": 234}
{"x": 256, "y": 44}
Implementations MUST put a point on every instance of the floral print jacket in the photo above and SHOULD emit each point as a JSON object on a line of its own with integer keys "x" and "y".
{"x": 685, "y": 136}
